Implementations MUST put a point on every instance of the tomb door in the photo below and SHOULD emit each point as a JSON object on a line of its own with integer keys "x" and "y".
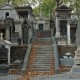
{"x": 40, "y": 27}
{"x": 73, "y": 34}
{"x": 63, "y": 28}
{"x": 25, "y": 33}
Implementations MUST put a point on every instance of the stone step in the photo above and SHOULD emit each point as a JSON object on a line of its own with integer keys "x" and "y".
{"x": 43, "y": 46}
{"x": 39, "y": 60}
{"x": 43, "y": 39}
{"x": 44, "y": 43}
{"x": 44, "y": 52}
{"x": 47, "y": 51}
{"x": 42, "y": 62}
{"x": 41, "y": 68}
{"x": 44, "y": 55}
{"x": 40, "y": 65}
{"x": 43, "y": 59}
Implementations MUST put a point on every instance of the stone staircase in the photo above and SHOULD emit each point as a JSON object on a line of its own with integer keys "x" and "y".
{"x": 41, "y": 60}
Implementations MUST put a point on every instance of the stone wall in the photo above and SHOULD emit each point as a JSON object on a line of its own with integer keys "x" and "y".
{"x": 63, "y": 49}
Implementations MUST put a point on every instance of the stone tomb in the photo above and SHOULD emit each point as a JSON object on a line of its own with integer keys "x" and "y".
{"x": 63, "y": 14}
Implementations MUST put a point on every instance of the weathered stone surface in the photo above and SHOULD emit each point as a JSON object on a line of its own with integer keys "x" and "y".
{"x": 78, "y": 35}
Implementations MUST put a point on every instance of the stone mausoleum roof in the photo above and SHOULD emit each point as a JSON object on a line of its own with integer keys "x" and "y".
{"x": 63, "y": 7}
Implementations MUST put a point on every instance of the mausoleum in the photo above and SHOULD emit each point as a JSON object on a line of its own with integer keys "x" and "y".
{"x": 62, "y": 23}
{"x": 12, "y": 22}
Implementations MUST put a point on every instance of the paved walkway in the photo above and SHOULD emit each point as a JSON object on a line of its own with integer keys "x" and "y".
{"x": 9, "y": 77}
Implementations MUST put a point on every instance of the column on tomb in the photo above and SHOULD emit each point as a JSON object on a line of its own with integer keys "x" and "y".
{"x": 7, "y": 34}
{"x": 57, "y": 27}
{"x": 68, "y": 33}
{"x": 8, "y": 46}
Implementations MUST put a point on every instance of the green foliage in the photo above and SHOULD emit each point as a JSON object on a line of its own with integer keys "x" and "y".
{"x": 47, "y": 7}
{"x": 18, "y": 2}
{"x": 36, "y": 11}
{"x": 2, "y": 2}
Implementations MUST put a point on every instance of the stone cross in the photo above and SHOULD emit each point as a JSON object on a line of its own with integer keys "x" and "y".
{"x": 1, "y": 35}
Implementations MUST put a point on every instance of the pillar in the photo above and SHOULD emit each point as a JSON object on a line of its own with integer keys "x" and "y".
{"x": 8, "y": 47}
{"x": 68, "y": 33}
{"x": 57, "y": 27}
{"x": 7, "y": 34}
